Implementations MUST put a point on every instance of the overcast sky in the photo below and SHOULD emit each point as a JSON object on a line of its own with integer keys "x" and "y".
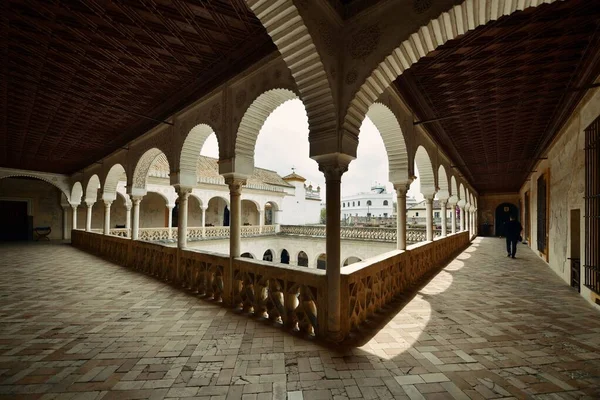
{"x": 283, "y": 144}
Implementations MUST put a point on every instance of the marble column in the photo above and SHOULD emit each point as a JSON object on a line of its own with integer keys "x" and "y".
{"x": 429, "y": 217}
{"x": 184, "y": 194}
{"x": 88, "y": 216}
{"x": 453, "y": 217}
{"x": 74, "y": 216}
{"x": 333, "y": 168}
{"x": 461, "y": 215}
{"x": 107, "y": 204}
{"x": 204, "y": 220}
{"x": 135, "y": 229}
{"x": 65, "y": 234}
{"x": 128, "y": 219}
{"x": 466, "y": 212}
{"x": 170, "y": 223}
{"x": 261, "y": 220}
{"x": 401, "y": 190}
{"x": 444, "y": 211}
{"x": 235, "y": 215}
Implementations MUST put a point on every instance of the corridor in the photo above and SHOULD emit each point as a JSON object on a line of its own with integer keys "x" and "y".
{"x": 73, "y": 326}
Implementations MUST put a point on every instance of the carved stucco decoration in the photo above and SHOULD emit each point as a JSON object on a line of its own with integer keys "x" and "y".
{"x": 421, "y": 6}
{"x": 240, "y": 98}
{"x": 364, "y": 42}
{"x": 215, "y": 112}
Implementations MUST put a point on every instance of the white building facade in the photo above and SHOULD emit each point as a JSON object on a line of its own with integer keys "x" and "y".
{"x": 303, "y": 207}
{"x": 376, "y": 203}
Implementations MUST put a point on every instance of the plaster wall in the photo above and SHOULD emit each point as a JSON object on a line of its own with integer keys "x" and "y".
{"x": 153, "y": 211}
{"x": 565, "y": 166}
{"x": 487, "y": 205}
{"x": 194, "y": 212}
{"x": 297, "y": 209}
{"x": 313, "y": 247}
{"x": 43, "y": 197}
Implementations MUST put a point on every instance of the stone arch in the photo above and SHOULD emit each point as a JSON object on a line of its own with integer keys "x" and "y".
{"x": 393, "y": 139}
{"x": 302, "y": 259}
{"x": 142, "y": 167}
{"x": 166, "y": 199}
{"x": 113, "y": 177}
{"x": 76, "y": 193}
{"x": 251, "y": 219}
{"x": 197, "y": 197}
{"x": 453, "y": 187}
{"x": 190, "y": 151}
{"x": 460, "y": 19}
{"x": 91, "y": 189}
{"x": 253, "y": 121}
{"x": 126, "y": 199}
{"x": 350, "y": 260}
{"x": 225, "y": 199}
{"x": 286, "y": 27}
{"x": 45, "y": 177}
{"x": 461, "y": 195}
{"x": 426, "y": 174}
{"x": 443, "y": 188}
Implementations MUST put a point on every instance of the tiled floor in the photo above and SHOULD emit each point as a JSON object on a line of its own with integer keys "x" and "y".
{"x": 73, "y": 326}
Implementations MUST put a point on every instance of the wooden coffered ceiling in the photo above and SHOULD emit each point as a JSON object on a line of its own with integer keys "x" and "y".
{"x": 499, "y": 94}
{"x": 80, "y": 78}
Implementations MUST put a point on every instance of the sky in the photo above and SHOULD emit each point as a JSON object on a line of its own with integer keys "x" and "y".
{"x": 283, "y": 143}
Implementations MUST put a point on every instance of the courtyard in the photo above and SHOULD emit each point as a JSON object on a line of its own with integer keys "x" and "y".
{"x": 74, "y": 326}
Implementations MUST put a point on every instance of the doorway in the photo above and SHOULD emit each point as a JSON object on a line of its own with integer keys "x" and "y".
{"x": 14, "y": 221}
{"x": 503, "y": 213}
{"x": 575, "y": 257}
{"x": 226, "y": 216}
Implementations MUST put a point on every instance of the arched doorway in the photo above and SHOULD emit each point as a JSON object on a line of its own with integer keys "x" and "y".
{"x": 226, "y": 216}
{"x": 268, "y": 256}
{"x": 302, "y": 259}
{"x": 285, "y": 257}
{"x": 503, "y": 213}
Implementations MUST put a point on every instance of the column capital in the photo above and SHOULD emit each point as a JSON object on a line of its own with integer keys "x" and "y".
{"x": 235, "y": 184}
{"x": 333, "y": 165}
{"x": 401, "y": 188}
{"x": 443, "y": 202}
{"x": 170, "y": 206}
{"x": 428, "y": 199}
{"x": 183, "y": 191}
{"x": 89, "y": 204}
{"x": 107, "y": 203}
{"x": 74, "y": 206}
{"x": 128, "y": 207}
{"x": 135, "y": 199}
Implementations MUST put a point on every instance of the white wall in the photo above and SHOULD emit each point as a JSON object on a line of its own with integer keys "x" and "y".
{"x": 566, "y": 179}
{"x": 350, "y": 205}
{"x": 297, "y": 210}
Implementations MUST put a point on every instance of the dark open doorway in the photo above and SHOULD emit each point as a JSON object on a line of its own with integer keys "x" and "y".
{"x": 503, "y": 213}
{"x": 14, "y": 221}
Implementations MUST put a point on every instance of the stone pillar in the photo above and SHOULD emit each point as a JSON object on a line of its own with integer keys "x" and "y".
{"x": 170, "y": 225}
{"x": 429, "y": 217}
{"x": 65, "y": 234}
{"x": 107, "y": 204}
{"x": 204, "y": 221}
{"x": 184, "y": 194}
{"x": 135, "y": 229}
{"x": 467, "y": 228}
{"x": 235, "y": 215}
{"x": 88, "y": 216}
{"x": 74, "y": 216}
{"x": 333, "y": 167}
{"x": 261, "y": 220}
{"x": 443, "y": 203}
{"x": 128, "y": 219}
{"x": 462, "y": 217}
{"x": 401, "y": 190}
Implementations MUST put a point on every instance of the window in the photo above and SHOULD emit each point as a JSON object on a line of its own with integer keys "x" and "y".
{"x": 359, "y": 203}
{"x": 343, "y": 205}
{"x": 416, "y": 214}
{"x": 436, "y": 214}
{"x": 385, "y": 202}
{"x": 592, "y": 206}
{"x": 385, "y": 215}
{"x": 369, "y": 215}
{"x": 369, "y": 203}
{"x": 352, "y": 204}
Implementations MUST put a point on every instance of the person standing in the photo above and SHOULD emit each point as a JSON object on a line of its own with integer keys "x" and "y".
{"x": 513, "y": 230}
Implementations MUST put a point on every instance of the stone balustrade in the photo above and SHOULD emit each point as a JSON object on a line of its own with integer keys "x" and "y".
{"x": 369, "y": 285}
{"x": 359, "y": 233}
{"x": 294, "y": 297}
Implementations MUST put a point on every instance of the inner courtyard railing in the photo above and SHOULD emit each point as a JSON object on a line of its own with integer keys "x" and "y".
{"x": 294, "y": 298}
{"x": 413, "y": 235}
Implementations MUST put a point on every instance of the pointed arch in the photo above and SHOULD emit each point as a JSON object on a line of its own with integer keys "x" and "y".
{"x": 253, "y": 120}
{"x": 426, "y": 175}
{"x": 449, "y": 25}
{"x": 76, "y": 193}
{"x": 115, "y": 174}
{"x": 444, "y": 189}
{"x": 286, "y": 27}
{"x": 190, "y": 151}
{"x": 91, "y": 189}
{"x": 140, "y": 174}
{"x": 393, "y": 139}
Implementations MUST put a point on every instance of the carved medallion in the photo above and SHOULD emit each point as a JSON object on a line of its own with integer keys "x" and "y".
{"x": 364, "y": 42}
{"x": 421, "y": 6}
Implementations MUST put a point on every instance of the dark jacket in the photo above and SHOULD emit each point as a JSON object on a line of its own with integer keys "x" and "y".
{"x": 512, "y": 229}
